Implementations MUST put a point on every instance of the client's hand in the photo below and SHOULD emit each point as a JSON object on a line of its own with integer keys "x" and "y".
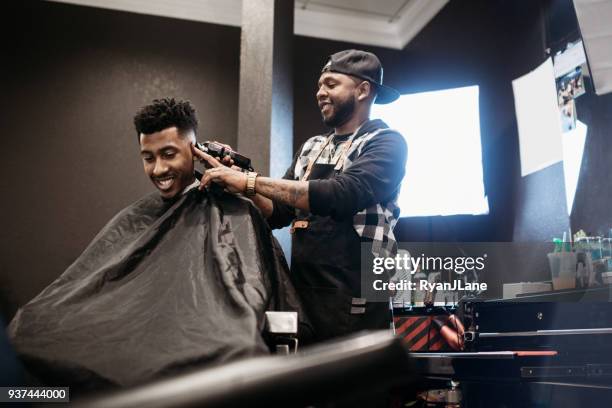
{"x": 233, "y": 180}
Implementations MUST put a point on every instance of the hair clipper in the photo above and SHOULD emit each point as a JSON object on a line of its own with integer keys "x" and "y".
{"x": 219, "y": 151}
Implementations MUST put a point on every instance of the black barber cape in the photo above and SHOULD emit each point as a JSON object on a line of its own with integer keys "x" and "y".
{"x": 163, "y": 287}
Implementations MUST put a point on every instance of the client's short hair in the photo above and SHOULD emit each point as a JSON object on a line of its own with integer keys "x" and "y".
{"x": 165, "y": 113}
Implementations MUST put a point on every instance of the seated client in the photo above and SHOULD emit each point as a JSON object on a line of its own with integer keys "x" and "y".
{"x": 181, "y": 278}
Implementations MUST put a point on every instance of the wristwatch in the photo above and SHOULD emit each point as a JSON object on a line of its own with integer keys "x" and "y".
{"x": 250, "y": 184}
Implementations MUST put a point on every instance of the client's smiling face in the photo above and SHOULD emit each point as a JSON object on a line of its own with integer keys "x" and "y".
{"x": 167, "y": 160}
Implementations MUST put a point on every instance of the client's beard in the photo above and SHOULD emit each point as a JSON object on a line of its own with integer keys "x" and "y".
{"x": 344, "y": 111}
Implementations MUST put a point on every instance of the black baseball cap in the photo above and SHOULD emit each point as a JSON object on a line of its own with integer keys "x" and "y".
{"x": 364, "y": 65}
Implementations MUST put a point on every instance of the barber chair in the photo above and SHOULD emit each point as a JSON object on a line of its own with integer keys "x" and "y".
{"x": 349, "y": 367}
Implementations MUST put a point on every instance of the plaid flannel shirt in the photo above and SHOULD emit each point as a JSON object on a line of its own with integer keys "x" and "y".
{"x": 375, "y": 223}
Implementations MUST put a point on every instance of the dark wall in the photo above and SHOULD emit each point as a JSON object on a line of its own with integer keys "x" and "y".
{"x": 484, "y": 43}
{"x": 76, "y": 76}
{"x": 489, "y": 44}
{"x": 592, "y": 210}
{"x": 540, "y": 200}
{"x": 73, "y": 77}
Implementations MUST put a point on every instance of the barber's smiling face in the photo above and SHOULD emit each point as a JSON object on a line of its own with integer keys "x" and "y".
{"x": 336, "y": 98}
{"x": 167, "y": 160}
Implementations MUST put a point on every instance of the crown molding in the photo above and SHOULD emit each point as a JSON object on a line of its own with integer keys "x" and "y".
{"x": 318, "y": 23}
{"x": 415, "y": 17}
{"x": 224, "y": 12}
{"x": 349, "y": 28}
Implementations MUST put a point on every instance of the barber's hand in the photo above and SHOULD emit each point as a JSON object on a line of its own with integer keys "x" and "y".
{"x": 233, "y": 180}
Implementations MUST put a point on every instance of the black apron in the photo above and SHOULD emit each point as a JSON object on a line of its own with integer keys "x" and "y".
{"x": 325, "y": 269}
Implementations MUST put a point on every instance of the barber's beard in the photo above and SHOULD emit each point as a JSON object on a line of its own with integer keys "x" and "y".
{"x": 342, "y": 113}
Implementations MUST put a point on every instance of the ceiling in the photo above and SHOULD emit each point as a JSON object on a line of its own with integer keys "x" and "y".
{"x": 384, "y": 23}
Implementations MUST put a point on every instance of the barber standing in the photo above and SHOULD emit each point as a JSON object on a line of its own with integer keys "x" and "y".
{"x": 340, "y": 191}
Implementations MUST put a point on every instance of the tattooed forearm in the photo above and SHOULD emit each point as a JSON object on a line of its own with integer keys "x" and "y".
{"x": 293, "y": 193}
